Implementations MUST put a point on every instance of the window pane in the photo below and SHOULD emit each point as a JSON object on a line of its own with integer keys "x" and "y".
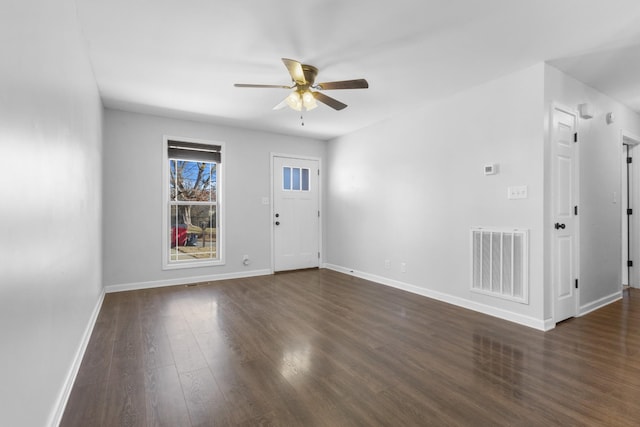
{"x": 305, "y": 179}
{"x": 295, "y": 179}
{"x": 172, "y": 180}
{"x": 286, "y": 178}
{"x": 192, "y": 181}
{"x": 193, "y": 232}
{"x": 214, "y": 181}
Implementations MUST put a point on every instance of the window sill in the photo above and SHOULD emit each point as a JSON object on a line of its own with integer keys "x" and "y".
{"x": 191, "y": 264}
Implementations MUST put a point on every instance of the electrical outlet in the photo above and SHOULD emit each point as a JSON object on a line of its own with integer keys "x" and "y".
{"x": 387, "y": 264}
{"x": 403, "y": 267}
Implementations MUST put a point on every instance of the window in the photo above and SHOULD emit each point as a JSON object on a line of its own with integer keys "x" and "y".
{"x": 193, "y": 209}
{"x": 295, "y": 179}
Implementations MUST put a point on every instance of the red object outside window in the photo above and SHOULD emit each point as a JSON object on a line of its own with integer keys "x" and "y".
{"x": 178, "y": 236}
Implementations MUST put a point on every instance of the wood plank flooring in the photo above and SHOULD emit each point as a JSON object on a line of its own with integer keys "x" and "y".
{"x": 319, "y": 348}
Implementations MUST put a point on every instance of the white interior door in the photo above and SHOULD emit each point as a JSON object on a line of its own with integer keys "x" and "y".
{"x": 564, "y": 204}
{"x": 296, "y": 213}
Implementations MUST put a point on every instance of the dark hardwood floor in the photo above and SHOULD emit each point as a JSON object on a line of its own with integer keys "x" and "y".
{"x": 319, "y": 348}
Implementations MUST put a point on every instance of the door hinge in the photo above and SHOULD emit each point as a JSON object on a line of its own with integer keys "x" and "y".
{"x": 575, "y": 210}
{"x": 575, "y": 137}
{"x": 318, "y": 214}
{"x": 576, "y": 283}
{"x": 318, "y": 255}
{"x": 629, "y": 211}
{"x": 629, "y": 263}
{"x": 629, "y": 160}
{"x": 318, "y": 172}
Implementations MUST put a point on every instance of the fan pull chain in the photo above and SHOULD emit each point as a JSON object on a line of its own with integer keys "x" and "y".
{"x": 301, "y": 120}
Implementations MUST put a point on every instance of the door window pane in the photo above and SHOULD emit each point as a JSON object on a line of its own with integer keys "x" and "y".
{"x": 295, "y": 179}
{"x": 286, "y": 178}
{"x": 305, "y": 179}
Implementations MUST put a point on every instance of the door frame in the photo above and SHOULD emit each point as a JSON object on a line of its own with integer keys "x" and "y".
{"x": 633, "y": 141}
{"x": 576, "y": 197}
{"x": 272, "y": 212}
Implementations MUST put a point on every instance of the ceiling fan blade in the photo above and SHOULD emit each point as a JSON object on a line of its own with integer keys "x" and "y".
{"x": 262, "y": 86}
{"x": 344, "y": 84}
{"x": 281, "y": 105}
{"x": 331, "y": 102}
{"x": 295, "y": 70}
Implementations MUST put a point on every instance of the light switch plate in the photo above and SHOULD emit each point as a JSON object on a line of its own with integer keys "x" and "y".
{"x": 517, "y": 192}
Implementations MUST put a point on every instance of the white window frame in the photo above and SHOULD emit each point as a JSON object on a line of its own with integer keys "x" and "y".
{"x": 167, "y": 263}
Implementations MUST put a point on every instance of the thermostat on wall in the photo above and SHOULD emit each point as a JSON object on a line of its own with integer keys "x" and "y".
{"x": 491, "y": 169}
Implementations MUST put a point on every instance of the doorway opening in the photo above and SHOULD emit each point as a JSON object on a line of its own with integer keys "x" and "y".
{"x": 630, "y": 194}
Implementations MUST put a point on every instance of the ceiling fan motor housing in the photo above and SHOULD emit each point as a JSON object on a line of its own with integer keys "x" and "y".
{"x": 310, "y": 72}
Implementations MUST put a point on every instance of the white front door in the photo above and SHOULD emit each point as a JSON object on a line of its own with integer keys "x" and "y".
{"x": 564, "y": 181}
{"x": 296, "y": 213}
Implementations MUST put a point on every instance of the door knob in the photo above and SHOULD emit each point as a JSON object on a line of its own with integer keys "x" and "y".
{"x": 277, "y": 222}
{"x": 559, "y": 226}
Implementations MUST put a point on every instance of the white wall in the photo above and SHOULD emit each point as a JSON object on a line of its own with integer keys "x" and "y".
{"x": 133, "y": 197}
{"x": 50, "y": 236}
{"x": 600, "y": 174}
{"x": 410, "y": 188}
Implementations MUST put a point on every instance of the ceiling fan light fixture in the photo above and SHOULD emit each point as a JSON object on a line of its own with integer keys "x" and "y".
{"x": 294, "y": 101}
{"x": 309, "y": 100}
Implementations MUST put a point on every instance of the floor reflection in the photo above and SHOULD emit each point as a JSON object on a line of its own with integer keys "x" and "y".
{"x": 498, "y": 363}
{"x": 296, "y": 361}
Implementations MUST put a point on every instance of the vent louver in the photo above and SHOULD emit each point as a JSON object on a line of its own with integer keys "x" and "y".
{"x": 500, "y": 263}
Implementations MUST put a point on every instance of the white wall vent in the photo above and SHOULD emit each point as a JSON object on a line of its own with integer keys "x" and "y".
{"x": 500, "y": 260}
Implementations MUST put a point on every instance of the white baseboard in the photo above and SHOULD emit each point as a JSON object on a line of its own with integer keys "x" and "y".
{"x": 63, "y": 397}
{"x": 592, "y": 306}
{"x": 450, "y": 299}
{"x": 549, "y": 324}
{"x": 184, "y": 280}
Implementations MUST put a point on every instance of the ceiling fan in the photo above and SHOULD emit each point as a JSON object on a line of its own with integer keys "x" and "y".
{"x": 305, "y": 90}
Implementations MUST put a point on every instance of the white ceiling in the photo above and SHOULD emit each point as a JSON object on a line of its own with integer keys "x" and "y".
{"x": 181, "y": 57}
